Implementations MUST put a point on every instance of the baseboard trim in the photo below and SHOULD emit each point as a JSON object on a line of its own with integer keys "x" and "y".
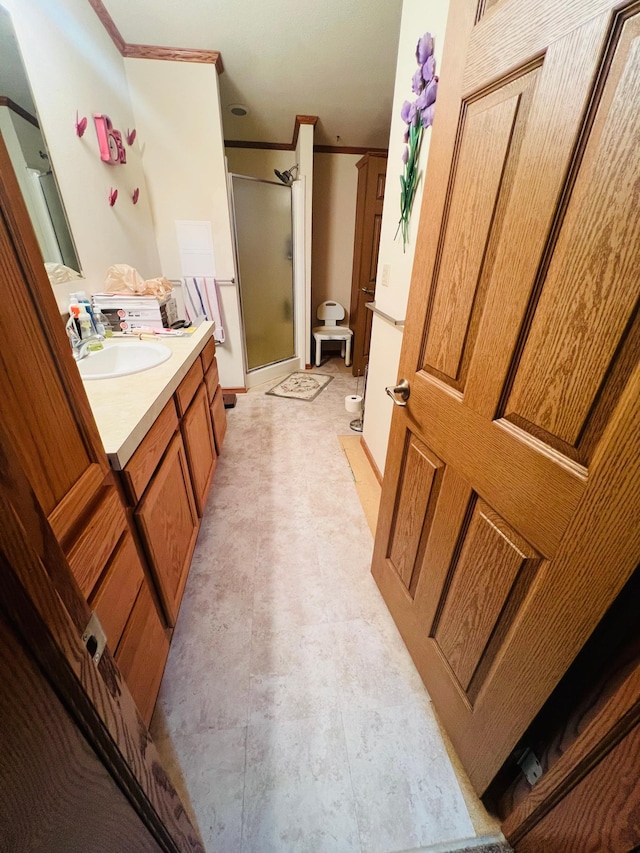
{"x": 486, "y": 844}
{"x": 234, "y": 390}
{"x": 371, "y": 460}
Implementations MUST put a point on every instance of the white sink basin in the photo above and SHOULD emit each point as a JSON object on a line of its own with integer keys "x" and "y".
{"x": 121, "y": 359}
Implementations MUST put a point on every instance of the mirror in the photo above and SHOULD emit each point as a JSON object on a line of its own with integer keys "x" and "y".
{"x": 25, "y": 142}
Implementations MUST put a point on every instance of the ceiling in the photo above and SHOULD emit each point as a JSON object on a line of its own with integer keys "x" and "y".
{"x": 332, "y": 58}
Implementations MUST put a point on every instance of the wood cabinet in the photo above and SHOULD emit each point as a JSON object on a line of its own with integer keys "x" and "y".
{"x": 142, "y": 653}
{"x": 168, "y": 523}
{"x": 198, "y": 441}
{"x": 116, "y": 595}
{"x": 214, "y": 394}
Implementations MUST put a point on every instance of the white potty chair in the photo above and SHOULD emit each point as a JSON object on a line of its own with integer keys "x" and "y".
{"x": 330, "y": 313}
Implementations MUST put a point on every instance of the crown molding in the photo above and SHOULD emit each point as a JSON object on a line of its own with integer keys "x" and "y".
{"x": 275, "y": 146}
{"x": 151, "y": 51}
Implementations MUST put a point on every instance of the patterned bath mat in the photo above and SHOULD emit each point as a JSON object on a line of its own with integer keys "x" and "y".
{"x": 301, "y": 386}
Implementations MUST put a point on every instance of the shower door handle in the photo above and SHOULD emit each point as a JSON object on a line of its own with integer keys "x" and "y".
{"x": 399, "y": 393}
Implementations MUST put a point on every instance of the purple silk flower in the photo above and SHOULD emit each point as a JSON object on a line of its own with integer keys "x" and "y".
{"x": 424, "y": 49}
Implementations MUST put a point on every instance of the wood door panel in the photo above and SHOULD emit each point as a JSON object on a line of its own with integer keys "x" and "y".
{"x": 518, "y": 482}
{"x": 598, "y": 244}
{"x": 168, "y": 523}
{"x": 486, "y": 133}
{"x": 521, "y": 350}
{"x": 418, "y": 498}
{"x": 547, "y": 148}
{"x": 472, "y": 607}
{"x": 518, "y": 31}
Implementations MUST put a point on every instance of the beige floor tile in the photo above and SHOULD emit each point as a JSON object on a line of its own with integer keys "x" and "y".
{"x": 405, "y": 790}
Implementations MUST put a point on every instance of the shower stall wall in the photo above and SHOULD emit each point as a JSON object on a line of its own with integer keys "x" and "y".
{"x": 266, "y": 262}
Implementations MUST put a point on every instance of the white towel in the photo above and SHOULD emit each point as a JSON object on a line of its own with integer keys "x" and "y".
{"x": 202, "y": 302}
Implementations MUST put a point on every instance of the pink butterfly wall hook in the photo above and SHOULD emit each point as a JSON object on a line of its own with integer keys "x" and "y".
{"x": 81, "y": 125}
{"x": 130, "y": 136}
{"x": 113, "y": 197}
{"x": 136, "y": 195}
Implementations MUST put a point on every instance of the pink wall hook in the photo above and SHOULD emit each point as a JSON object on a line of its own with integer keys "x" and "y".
{"x": 81, "y": 125}
{"x": 130, "y": 136}
{"x": 113, "y": 197}
{"x": 136, "y": 195}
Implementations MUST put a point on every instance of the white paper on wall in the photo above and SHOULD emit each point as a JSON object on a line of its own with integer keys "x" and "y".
{"x": 195, "y": 244}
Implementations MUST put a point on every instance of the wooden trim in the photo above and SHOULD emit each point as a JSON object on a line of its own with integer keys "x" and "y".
{"x": 275, "y": 146}
{"x": 350, "y": 149}
{"x": 234, "y": 390}
{"x": 174, "y": 54}
{"x": 108, "y": 23}
{"x": 371, "y": 460}
{"x": 267, "y": 146}
{"x": 312, "y": 120}
{"x": 18, "y": 110}
{"x": 151, "y": 51}
{"x": 613, "y": 723}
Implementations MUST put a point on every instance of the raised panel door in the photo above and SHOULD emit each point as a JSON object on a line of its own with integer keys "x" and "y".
{"x": 509, "y": 510}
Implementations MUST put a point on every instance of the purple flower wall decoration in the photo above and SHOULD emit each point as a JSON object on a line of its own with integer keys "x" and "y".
{"x": 417, "y": 115}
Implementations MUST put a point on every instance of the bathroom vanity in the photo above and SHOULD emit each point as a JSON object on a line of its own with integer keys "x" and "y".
{"x": 126, "y": 520}
{"x": 162, "y": 430}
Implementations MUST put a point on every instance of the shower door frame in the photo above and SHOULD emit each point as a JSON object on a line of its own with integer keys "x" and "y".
{"x": 297, "y": 277}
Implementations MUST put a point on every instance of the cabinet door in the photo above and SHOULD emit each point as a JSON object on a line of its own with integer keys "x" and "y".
{"x": 168, "y": 524}
{"x": 142, "y": 653}
{"x": 219, "y": 419}
{"x": 198, "y": 442}
{"x": 117, "y": 593}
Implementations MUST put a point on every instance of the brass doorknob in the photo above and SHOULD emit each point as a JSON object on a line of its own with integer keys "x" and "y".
{"x": 399, "y": 393}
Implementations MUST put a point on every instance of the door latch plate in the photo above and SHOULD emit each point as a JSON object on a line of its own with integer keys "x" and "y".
{"x": 530, "y": 766}
{"x": 94, "y": 638}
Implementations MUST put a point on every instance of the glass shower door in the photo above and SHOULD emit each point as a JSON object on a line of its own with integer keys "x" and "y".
{"x": 264, "y": 250}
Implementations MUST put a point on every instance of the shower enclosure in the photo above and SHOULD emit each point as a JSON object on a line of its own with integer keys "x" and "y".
{"x": 264, "y": 244}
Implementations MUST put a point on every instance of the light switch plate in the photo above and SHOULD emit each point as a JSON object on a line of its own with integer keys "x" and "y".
{"x": 386, "y": 272}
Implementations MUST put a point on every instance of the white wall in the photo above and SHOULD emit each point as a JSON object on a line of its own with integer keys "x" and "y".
{"x": 259, "y": 162}
{"x": 177, "y": 108}
{"x": 334, "y": 215}
{"x": 386, "y": 340}
{"x": 72, "y": 64}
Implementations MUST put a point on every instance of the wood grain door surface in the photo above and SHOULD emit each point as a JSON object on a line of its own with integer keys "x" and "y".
{"x": 509, "y": 516}
{"x": 372, "y": 172}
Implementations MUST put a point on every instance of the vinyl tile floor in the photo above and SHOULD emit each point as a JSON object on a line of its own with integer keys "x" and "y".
{"x": 290, "y": 716}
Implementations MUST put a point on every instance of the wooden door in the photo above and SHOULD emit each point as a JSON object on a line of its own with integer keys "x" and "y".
{"x": 43, "y": 404}
{"x": 372, "y": 170}
{"x": 509, "y": 515}
{"x": 77, "y": 765}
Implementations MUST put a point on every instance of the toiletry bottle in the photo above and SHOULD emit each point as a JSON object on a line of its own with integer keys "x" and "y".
{"x": 73, "y": 326}
{"x": 80, "y": 298}
{"x": 87, "y": 329}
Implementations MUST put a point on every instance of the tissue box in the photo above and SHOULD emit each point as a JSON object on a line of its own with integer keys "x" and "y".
{"x": 132, "y": 313}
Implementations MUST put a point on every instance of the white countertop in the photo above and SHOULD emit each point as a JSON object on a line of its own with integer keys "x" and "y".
{"x": 126, "y": 407}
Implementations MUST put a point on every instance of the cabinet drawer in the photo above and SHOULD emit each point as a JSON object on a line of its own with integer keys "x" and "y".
{"x": 198, "y": 442}
{"x": 142, "y": 653}
{"x": 168, "y": 524}
{"x": 90, "y": 552}
{"x": 144, "y": 461}
{"x": 118, "y": 591}
{"x": 218, "y": 419}
{"x": 208, "y": 354}
{"x": 212, "y": 379}
{"x": 189, "y": 386}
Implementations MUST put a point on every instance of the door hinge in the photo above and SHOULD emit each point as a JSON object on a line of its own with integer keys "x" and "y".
{"x": 530, "y": 766}
{"x": 94, "y": 638}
